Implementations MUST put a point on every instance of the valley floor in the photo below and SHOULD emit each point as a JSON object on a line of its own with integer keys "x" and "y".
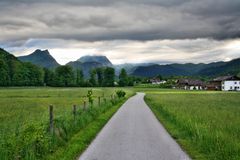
{"x": 204, "y": 123}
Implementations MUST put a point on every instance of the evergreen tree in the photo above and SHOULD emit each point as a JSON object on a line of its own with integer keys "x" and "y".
{"x": 109, "y": 76}
{"x": 92, "y": 79}
{"x": 34, "y": 75}
{"x": 100, "y": 76}
{"x": 123, "y": 78}
{"x": 159, "y": 76}
{"x": 131, "y": 81}
{"x": 64, "y": 76}
{"x": 4, "y": 74}
{"x": 80, "y": 78}
{"x": 48, "y": 77}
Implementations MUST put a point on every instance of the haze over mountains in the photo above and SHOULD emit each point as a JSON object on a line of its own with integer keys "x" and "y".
{"x": 87, "y": 63}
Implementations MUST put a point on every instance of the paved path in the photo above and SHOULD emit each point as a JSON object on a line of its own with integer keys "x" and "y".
{"x": 134, "y": 133}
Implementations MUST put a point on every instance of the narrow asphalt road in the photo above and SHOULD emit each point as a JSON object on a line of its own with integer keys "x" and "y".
{"x": 134, "y": 133}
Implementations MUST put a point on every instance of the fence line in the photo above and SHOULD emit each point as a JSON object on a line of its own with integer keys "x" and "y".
{"x": 74, "y": 110}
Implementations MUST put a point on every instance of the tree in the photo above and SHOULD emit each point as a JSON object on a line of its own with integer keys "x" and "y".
{"x": 49, "y": 77}
{"x": 109, "y": 74}
{"x": 64, "y": 76}
{"x": 100, "y": 76}
{"x": 123, "y": 78}
{"x": 131, "y": 81}
{"x": 34, "y": 75}
{"x": 16, "y": 73}
{"x": 27, "y": 74}
{"x": 92, "y": 79}
{"x": 80, "y": 78}
{"x": 4, "y": 78}
{"x": 159, "y": 76}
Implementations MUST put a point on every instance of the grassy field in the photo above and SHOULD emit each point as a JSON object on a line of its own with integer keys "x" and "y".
{"x": 206, "y": 124}
{"x": 24, "y": 116}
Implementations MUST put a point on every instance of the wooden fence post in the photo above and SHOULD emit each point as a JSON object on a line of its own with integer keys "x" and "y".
{"x": 51, "y": 125}
{"x": 105, "y": 100}
{"x": 84, "y": 105}
{"x": 74, "y": 112}
{"x": 99, "y": 101}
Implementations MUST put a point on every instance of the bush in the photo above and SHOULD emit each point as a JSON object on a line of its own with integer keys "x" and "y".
{"x": 90, "y": 97}
{"x": 120, "y": 93}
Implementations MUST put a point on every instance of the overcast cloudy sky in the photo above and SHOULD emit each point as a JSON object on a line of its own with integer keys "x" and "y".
{"x": 161, "y": 31}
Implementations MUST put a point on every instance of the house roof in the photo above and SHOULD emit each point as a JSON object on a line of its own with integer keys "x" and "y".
{"x": 155, "y": 80}
{"x": 225, "y": 78}
{"x": 191, "y": 82}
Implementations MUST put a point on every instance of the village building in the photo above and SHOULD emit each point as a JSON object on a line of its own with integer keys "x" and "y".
{"x": 157, "y": 81}
{"x": 225, "y": 83}
{"x": 190, "y": 84}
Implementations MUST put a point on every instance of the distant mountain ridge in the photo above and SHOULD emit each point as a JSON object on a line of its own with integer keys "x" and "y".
{"x": 231, "y": 67}
{"x": 85, "y": 67}
{"x": 129, "y": 67}
{"x": 41, "y": 58}
{"x": 87, "y": 63}
{"x": 189, "y": 69}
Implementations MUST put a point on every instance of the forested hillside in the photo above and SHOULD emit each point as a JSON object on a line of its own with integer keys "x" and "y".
{"x": 190, "y": 69}
{"x": 16, "y": 73}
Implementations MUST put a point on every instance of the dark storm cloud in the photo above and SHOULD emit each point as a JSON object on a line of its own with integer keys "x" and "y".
{"x": 166, "y": 3}
{"x": 96, "y": 20}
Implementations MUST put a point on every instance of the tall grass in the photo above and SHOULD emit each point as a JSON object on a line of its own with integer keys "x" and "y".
{"x": 24, "y": 119}
{"x": 206, "y": 124}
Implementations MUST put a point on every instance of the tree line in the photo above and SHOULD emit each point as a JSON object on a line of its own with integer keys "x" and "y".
{"x": 64, "y": 76}
{"x": 13, "y": 72}
{"x": 16, "y": 73}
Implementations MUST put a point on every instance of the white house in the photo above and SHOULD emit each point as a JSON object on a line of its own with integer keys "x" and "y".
{"x": 231, "y": 85}
{"x": 157, "y": 81}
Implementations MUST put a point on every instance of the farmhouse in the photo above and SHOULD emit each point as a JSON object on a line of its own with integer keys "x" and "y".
{"x": 225, "y": 83}
{"x": 157, "y": 81}
{"x": 231, "y": 85}
{"x": 190, "y": 84}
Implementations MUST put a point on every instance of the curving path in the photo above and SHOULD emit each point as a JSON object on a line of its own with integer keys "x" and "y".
{"x": 134, "y": 133}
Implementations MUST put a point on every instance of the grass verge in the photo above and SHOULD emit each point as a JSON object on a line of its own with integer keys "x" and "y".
{"x": 205, "y": 125}
{"x": 82, "y": 139}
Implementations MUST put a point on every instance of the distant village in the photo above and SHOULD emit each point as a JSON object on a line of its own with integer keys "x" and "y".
{"x": 222, "y": 83}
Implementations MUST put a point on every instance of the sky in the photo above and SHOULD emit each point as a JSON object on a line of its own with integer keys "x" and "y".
{"x": 126, "y": 31}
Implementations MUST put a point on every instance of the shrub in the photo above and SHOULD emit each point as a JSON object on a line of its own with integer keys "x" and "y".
{"x": 120, "y": 93}
{"x": 90, "y": 97}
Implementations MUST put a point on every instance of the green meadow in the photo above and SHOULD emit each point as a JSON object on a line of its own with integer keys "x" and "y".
{"x": 24, "y": 118}
{"x": 206, "y": 124}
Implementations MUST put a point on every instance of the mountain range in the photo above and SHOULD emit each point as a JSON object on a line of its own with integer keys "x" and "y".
{"x": 86, "y": 63}
{"x": 190, "y": 69}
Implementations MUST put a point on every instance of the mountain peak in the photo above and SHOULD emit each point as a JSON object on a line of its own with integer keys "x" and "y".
{"x": 38, "y": 51}
{"x": 41, "y": 58}
{"x": 99, "y": 59}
